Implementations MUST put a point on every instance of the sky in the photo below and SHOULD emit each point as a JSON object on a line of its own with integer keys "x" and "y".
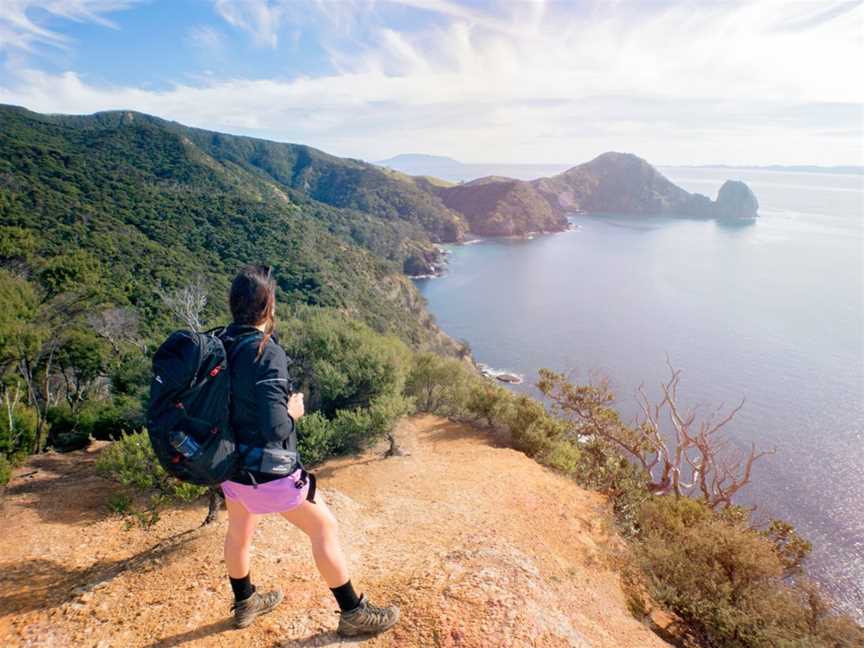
{"x": 517, "y": 81}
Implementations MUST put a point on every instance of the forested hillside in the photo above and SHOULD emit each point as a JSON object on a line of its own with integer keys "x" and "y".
{"x": 129, "y": 205}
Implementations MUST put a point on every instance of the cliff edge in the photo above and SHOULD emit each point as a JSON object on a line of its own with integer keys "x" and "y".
{"x": 481, "y": 547}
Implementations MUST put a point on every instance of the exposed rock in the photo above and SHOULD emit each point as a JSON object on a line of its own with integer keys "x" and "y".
{"x": 509, "y": 378}
{"x": 422, "y": 262}
{"x": 736, "y": 200}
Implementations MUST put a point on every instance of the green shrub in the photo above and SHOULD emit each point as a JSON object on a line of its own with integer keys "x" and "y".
{"x": 563, "y": 456}
{"x": 726, "y": 580}
{"x": 315, "y": 438}
{"x": 385, "y": 410}
{"x": 5, "y": 470}
{"x": 131, "y": 462}
{"x": 486, "y": 402}
{"x": 439, "y": 385}
{"x": 114, "y": 419}
{"x": 67, "y": 431}
{"x": 341, "y": 363}
{"x": 102, "y": 419}
{"x": 532, "y": 430}
{"x": 119, "y": 502}
{"x": 131, "y": 374}
{"x": 20, "y": 438}
{"x": 351, "y": 428}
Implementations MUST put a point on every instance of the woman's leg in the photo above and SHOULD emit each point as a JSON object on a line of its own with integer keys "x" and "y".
{"x": 317, "y": 522}
{"x": 358, "y": 615}
{"x": 238, "y": 540}
{"x": 248, "y": 603}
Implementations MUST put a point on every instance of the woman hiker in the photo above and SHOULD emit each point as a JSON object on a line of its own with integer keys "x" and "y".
{"x": 263, "y": 419}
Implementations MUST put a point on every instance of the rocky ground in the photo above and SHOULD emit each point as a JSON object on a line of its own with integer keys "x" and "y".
{"x": 479, "y": 545}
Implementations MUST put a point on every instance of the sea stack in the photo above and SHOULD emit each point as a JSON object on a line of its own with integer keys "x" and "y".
{"x": 736, "y": 201}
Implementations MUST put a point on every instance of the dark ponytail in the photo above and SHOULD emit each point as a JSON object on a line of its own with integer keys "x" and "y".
{"x": 253, "y": 300}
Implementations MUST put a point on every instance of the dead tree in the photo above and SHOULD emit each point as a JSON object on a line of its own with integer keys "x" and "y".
{"x": 688, "y": 457}
{"x": 187, "y": 304}
{"x": 117, "y": 325}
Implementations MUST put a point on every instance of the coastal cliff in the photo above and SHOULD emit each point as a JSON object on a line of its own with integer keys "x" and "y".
{"x": 495, "y": 206}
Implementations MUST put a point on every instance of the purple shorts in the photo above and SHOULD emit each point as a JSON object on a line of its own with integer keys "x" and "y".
{"x": 271, "y": 497}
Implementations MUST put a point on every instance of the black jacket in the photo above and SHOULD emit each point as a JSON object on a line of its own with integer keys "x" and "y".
{"x": 260, "y": 388}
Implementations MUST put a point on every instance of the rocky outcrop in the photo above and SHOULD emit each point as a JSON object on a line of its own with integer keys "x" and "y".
{"x": 736, "y": 201}
{"x": 423, "y": 261}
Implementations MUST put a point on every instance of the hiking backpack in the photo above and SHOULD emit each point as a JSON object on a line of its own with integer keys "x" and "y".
{"x": 187, "y": 417}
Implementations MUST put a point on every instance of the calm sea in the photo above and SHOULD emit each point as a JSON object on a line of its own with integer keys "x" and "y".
{"x": 773, "y": 312}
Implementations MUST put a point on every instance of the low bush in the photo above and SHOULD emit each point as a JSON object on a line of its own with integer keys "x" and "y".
{"x": 385, "y": 410}
{"x": 726, "y": 580}
{"x": 315, "y": 438}
{"x": 114, "y": 419}
{"x": 5, "y": 470}
{"x": 19, "y": 438}
{"x": 486, "y": 402}
{"x": 66, "y": 431}
{"x": 439, "y": 385}
{"x": 342, "y": 364}
{"x": 102, "y": 419}
{"x": 130, "y": 461}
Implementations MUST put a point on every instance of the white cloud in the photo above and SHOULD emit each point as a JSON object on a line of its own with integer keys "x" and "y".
{"x": 19, "y": 30}
{"x": 680, "y": 84}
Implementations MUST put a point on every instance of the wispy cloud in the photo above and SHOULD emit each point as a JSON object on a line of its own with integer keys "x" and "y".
{"x": 261, "y": 18}
{"x": 20, "y": 31}
{"x": 206, "y": 39}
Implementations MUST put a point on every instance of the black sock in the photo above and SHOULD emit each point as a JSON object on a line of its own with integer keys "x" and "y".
{"x": 243, "y": 588}
{"x": 346, "y": 597}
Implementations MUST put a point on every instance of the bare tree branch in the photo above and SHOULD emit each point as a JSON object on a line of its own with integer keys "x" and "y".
{"x": 187, "y": 304}
{"x": 687, "y": 457}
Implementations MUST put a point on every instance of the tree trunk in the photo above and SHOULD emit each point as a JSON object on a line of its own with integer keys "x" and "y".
{"x": 394, "y": 450}
{"x": 216, "y": 500}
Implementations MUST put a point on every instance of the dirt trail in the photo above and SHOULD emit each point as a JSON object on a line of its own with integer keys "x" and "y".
{"x": 480, "y": 546}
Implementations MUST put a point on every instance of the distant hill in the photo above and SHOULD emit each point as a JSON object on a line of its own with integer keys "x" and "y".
{"x": 624, "y": 183}
{"x": 456, "y": 171}
{"x": 496, "y": 204}
{"x": 415, "y": 159}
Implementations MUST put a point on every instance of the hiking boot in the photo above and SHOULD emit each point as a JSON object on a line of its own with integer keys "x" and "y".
{"x": 246, "y": 610}
{"x": 367, "y": 619}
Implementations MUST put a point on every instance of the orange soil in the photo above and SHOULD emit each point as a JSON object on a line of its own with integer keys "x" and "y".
{"x": 479, "y": 545}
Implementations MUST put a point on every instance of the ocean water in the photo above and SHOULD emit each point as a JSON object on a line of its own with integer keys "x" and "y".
{"x": 772, "y": 312}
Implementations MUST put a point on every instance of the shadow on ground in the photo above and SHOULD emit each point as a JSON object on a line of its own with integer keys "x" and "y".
{"x": 62, "y": 488}
{"x": 43, "y": 584}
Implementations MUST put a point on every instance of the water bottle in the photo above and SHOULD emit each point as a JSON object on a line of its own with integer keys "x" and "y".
{"x": 183, "y": 443}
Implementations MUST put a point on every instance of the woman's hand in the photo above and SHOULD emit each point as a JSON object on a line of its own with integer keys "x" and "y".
{"x": 295, "y": 406}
